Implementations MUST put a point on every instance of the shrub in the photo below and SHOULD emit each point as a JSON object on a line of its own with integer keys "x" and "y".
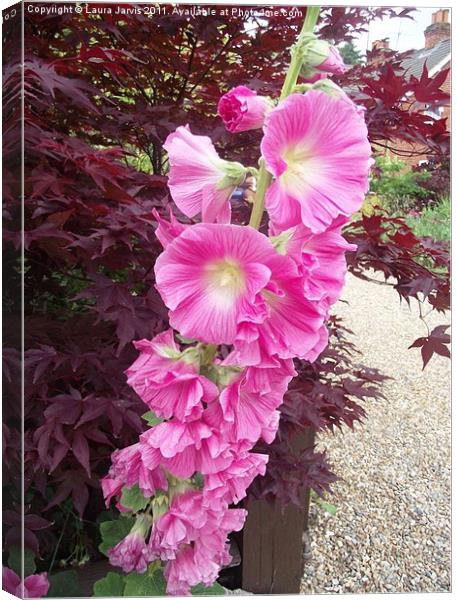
{"x": 400, "y": 188}
{"x": 438, "y": 181}
{"x": 434, "y": 221}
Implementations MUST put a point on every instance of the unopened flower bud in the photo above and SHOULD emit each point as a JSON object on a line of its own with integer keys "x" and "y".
{"x": 234, "y": 176}
{"x": 242, "y": 110}
{"x": 319, "y": 58}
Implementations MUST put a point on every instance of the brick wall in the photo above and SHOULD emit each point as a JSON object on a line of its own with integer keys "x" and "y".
{"x": 412, "y": 161}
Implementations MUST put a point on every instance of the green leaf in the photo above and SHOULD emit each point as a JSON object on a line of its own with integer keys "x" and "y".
{"x": 146, "y": 584}
{"x": 15, "y": 560}
{"x": 106, "y": 515}
{"x": 151, "y": 418}
{"x": 133, "y": 498}
{"x": 330, "y": 508}
{"x": 113, "y": 532}
{"x": 64, "y": 584}
{"x": 198, "y": 480}
{"x": 111, "y": 585}
{"x": 185, "y": 340}
{"x": 202, "y": 590}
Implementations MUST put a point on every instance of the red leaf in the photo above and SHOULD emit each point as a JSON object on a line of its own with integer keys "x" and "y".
{"x": 80, "y": 449}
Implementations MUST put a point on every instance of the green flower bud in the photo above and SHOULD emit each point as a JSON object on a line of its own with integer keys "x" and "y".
{"x": 280, "y": 241}
{"x": 235, "y": 174}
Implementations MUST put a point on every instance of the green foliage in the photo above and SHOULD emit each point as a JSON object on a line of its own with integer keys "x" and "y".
{"x": 113, "y": 532}
{"x": 400, "y": 188}
{"x": 111, "y": 585}
{"x": 331, "y": 509}
{"x": 64, "y": 585}
{"x": 350, "y": 54}
{"x": 15, "y": 560}
{"x": 151, "y": 418}
{"x": 214, "y": 590}
{"x": 151, "y": 583}
{"x": 370, "y": 205}
{"x": 434, "y": 221}
{"x": 133, "y": 498}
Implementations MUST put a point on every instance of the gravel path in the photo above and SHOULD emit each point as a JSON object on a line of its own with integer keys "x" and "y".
{"x": 392, "y": 529}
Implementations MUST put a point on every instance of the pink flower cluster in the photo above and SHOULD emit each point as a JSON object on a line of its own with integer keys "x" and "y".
{"x": 265, "y": 298}
{"x": 196, "y": 462}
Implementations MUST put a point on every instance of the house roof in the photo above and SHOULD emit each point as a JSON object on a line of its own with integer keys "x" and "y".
{"x": 433, "y": 57}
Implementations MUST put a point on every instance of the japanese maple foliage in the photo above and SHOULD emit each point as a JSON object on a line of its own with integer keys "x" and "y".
{"x": 101, "y": 97}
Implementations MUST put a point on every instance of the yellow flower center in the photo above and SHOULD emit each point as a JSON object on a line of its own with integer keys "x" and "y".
{"x": 302, "y": 168}
{"x": 224, "y": 281}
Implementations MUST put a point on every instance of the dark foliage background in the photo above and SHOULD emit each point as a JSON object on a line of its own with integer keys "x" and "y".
{"x": 102, "y": 92}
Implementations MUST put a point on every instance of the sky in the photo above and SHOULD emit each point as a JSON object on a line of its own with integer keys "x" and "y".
{"x": 404, "y": 34}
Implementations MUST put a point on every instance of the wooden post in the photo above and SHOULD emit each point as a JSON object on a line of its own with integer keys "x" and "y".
{"x": 272, "y": 549}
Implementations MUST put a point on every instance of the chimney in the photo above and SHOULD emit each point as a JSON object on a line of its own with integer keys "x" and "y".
{"x": 439, "y": 30}
{"x": 380, "y": 45}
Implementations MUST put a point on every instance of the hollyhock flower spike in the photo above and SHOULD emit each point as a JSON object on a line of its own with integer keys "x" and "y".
{"x": 34, "y": 586}
{"x": 316, "y": 146}
{"x": 199, "y": 180}
{"x": 230, "y": 284}
{"x": 241, "y": 109}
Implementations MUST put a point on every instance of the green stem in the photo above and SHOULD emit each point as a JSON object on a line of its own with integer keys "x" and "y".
{"x": 264, "y": 179}
{"x": 209, "y": 353}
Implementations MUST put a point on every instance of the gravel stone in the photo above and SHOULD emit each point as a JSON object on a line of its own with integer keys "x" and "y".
{"x": 392, "y": 531}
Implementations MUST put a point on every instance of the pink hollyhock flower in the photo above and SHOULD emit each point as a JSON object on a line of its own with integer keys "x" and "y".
{"x": 183, "y": 572}
{"x": 128, "y": 554}
{"x": 130, "y": 467}
{"x": 321, "y": 259}
{"x": 184, "y": 448}
{"x": 34, "y": 586}
{"x": 248, "y": 410}
{"x": 181, "y": 524}
{"x": 200, "y": 181}
{"x": 227, "y": 284}
{"x": 230, "y": 485}
{"x": 110, "y": 488}
{"x": 167, "y": 231}
{"x": 241, "y": 109}
{"x": 209, "y": 552}
{"x": 209, "y": 277}
{"x": 317, "y": 148}
{"x": 167, "y": 379}
{"x": 293, "y": 323}
{"x": 247, "y": 405}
